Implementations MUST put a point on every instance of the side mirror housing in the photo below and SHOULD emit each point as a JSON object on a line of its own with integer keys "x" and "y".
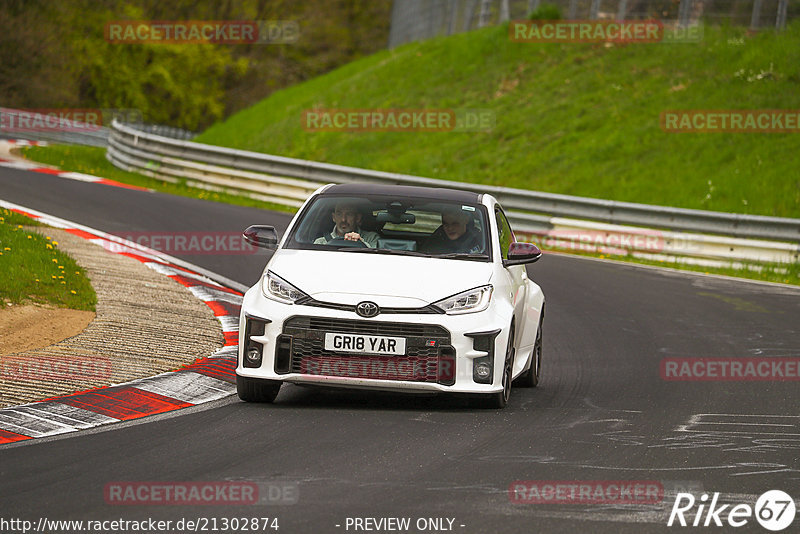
{"x": 260, "y": 235}
{"x": 522, "y": 253}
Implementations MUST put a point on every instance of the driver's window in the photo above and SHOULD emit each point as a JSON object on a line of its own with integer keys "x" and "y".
{"x": 505, "y": 235}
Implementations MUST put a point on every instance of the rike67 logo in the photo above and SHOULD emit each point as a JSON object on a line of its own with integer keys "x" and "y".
{"x": 774, "y": 510}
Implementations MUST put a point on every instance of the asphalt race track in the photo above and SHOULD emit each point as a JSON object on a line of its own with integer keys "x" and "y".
{"x": 602, "y": 412}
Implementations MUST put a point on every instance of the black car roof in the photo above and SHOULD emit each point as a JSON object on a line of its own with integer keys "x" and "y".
{"x": 455, "y": 195}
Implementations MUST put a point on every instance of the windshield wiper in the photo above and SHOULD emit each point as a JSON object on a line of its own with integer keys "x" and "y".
{"x": 462, "y": 255}
{"x": 382, "y": 251}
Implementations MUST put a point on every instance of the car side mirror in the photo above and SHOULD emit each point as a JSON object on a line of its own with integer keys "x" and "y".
{"x": 521, "y": 253}
{"x": 260, "y": 235}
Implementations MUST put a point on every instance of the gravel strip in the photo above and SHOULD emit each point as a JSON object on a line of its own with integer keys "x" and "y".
{"x": 146, "y": 324}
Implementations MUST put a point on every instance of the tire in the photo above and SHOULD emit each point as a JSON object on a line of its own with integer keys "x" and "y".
{"x": 499, "y": 400}
{"x": 530, "y": 378}
{"x": 257, "y": 389}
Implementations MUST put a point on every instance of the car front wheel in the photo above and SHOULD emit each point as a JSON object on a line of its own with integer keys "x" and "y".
{"x": 530, "y": 378}
{"x": 257, "y": 389}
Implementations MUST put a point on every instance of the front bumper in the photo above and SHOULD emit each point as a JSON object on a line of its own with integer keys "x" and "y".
{"x": 441, "y": 350}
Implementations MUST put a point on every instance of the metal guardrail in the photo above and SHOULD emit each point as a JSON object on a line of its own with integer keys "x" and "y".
{"x": 75, "y": 132}
{"x": 290, "y": 181}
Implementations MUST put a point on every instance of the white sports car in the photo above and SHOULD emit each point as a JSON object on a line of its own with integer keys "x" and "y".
{"x": 396, "y": 288}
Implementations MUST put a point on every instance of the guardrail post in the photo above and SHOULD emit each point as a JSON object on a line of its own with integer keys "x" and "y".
{"x": 755, "y": 19}
{"x": 469, "y": 14}
{"x": 780, "y": 20}
{"x": 453, "y": 9}
{"x": 594, "y": 10}
{"x": 505, "y": 13}
{"x": 622, "y": 9}
{"x": 486, "y": 11}
{"x": 684, "y": 11}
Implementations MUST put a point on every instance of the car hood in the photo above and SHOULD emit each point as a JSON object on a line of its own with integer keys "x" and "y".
{"x": 351, "y": 277}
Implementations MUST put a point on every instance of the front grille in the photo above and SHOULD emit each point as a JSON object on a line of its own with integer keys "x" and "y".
{"x": 421, "y": 363}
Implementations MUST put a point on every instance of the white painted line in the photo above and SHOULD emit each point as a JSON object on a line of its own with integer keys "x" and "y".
{"x": 231, "y": 351}
{"x": 73, "y": 416}
{"x": 35, "y": 426}
{"x": 168, "y": 270}
{"x": 191, "y": 387}
{"x": 207, "y": 294}
{"x": 230, "y": 323}
{"x": 80, "y": 177}
{"x": 24, "y": 165}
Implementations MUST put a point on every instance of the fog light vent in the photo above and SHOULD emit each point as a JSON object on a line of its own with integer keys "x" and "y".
{"x": 483, "y": 367}
{"x": 283, "y": 354}
{"x": 254, "y": 327}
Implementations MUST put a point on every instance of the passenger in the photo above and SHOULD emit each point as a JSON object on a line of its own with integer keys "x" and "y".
{"x": 457, "y": 234}
{"x": 347, "y": 225}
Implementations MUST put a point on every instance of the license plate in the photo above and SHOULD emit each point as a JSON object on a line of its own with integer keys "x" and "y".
{"x": 361, "y": 344}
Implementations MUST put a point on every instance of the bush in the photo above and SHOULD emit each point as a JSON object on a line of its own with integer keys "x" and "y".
{"x": 546, "y": 12}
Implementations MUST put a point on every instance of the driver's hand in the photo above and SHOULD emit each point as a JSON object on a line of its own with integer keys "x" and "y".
{"x": 352, "y": 236}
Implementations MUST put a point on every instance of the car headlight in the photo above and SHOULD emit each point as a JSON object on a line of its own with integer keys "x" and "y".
{"x": 276, "y": 288}
{"x": 474, "y": 300}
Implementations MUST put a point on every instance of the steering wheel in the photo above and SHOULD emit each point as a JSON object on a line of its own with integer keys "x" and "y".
{"x": 340, "y": 241}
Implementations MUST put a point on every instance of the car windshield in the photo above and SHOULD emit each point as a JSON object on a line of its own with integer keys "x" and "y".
{"x": 393, "y": 225}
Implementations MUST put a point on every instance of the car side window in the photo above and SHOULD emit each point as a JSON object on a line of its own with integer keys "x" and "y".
{"x": 506, "y": 236}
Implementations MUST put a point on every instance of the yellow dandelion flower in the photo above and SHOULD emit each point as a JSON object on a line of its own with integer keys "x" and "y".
{"x": 60, "y": 266}
{"x": 53, "y": 277}
{"x": 61, "y": 277}
{"x": 63, "y": 282}
{"x": 55, "y": 242}
{"x": 49, "y": 245}
{"x": 77, "y": 272}
{"x": 55, "y": 260}
{"x": 7, "y": 248}
{"x": 30, "y": 237}
{"x": 19, "y": 226}
{"x": 37, "y": 279}
{"x": 73, "y": 292}
{"x": 48, "y": 239}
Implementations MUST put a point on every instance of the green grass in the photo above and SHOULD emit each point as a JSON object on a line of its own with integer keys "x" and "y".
{"x": 578, "y": 119}
{"x": 33, "y": 269}
{"x": 92, "y": 160}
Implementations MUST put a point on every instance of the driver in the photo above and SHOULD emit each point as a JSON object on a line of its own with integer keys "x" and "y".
{"x": 347, "y": 226}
